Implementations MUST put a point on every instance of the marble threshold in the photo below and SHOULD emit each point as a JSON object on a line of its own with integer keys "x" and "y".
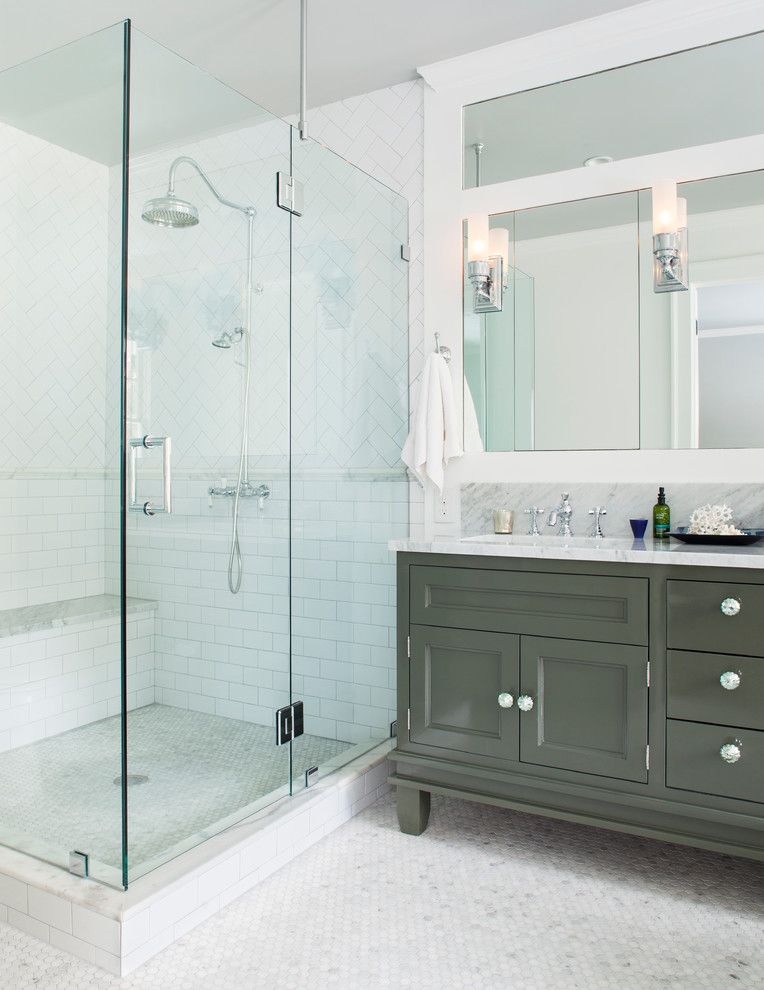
{"x": 119, "y": 930}
{"x": 608, "y": 550}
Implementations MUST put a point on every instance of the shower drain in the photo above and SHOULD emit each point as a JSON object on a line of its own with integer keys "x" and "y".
{"x": 133, "y": 779}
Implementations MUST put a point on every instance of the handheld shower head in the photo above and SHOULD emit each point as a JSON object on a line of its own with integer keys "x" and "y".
{"x": 169, "y": 211}
{"x": 228, "y": 337}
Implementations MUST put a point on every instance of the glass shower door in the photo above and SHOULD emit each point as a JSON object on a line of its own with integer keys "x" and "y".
{"x": 350, "y": 490}
{"x": 207, "y": 456}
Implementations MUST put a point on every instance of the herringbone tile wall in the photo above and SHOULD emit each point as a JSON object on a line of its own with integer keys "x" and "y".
{"x": 53, "y": 386}
{"x": 382, "y": 133}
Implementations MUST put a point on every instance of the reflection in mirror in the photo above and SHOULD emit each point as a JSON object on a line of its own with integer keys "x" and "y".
{"x": 585, "y": 355}
{"x": 558, "y": 368}
{"x": 730, "y": 320}
{"x": 702, "y": 355}
{"x": 613, "y": 115}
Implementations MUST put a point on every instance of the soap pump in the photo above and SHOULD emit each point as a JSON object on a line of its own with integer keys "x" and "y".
{"x": 661, "y": 517}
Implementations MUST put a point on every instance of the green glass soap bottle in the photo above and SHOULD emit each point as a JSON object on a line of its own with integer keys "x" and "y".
{"x": 661, "y": 517}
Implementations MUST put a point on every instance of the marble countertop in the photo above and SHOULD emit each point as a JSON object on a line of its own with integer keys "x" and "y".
{"x": 609, "y": 550}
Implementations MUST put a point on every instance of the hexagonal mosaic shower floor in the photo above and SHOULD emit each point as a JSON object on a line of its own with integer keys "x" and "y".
{"x": 201, "y": 769}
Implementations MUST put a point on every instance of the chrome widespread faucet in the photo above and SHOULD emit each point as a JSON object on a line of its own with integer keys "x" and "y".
{"x": 562, "y": 515}
{"x": 598, "y": 512}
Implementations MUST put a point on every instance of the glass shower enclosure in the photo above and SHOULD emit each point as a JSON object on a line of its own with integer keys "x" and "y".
{"x": 205, "y": 397}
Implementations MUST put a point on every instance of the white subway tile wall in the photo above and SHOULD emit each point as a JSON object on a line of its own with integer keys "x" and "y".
{"x": 53, "y": 680}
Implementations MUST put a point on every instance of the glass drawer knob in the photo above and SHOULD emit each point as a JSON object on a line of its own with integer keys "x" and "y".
{"x": 730, "y": 680}
{"x": 731, "y": 752}
{"x": 506, "y": 700}
{"x": 525, "y": 703}
{"x": 730, "y": 606}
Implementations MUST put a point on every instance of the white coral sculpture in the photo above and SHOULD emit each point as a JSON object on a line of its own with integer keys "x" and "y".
{"x": 713, "y": 520}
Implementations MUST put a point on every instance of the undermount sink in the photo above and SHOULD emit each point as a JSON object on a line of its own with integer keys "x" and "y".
{"x": 525, "y": 540}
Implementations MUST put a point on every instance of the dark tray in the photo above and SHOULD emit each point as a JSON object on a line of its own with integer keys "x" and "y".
{"x": 747, "y": 537}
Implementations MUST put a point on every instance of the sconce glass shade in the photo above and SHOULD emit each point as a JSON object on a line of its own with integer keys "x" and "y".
{"x": 665, "y": 208}
{"x": 681, "y": 213}
{"x": 498, "y": 244}
{"x": 478, "y": 243}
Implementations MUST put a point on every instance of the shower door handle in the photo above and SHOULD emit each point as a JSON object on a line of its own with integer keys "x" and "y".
{"x": 147, "y": 507}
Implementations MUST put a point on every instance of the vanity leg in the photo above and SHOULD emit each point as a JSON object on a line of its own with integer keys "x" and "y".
{"x": 413, "y": 810}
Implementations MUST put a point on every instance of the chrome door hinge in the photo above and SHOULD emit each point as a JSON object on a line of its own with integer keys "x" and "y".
{"x": 408, "y": 721}
{"x": 290, "y": 194}
{"x": 647, "y": 757}
{"x": 408, "y": 647}
{"x": 79, "y": 863}
{"x": 405, "y": 252}
{"x": 648, "y": 673}
{"x": 290, "y": 723}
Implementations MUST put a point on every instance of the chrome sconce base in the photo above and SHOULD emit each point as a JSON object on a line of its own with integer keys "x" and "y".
{"x": 487, "y": 278}
{"x": 670, "y": 268}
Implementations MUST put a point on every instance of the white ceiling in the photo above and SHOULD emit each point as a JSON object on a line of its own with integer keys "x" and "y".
{"x": 355, "y": 45}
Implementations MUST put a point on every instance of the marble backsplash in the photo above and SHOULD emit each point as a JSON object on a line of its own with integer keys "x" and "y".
{"x": 622, "y": 501}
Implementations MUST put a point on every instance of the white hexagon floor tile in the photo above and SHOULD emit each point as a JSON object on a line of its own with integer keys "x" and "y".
{"x": 486, "y": 897}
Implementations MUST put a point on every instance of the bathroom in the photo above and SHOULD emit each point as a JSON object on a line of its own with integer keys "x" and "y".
{"x": 233, "y": 556}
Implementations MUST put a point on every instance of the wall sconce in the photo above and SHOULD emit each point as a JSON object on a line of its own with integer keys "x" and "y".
{"x": 670, "y": 269}
{"x": 487, "y": 264}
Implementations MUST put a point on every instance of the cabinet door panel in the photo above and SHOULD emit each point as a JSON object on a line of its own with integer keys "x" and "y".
{"x": 456, "y": 676}
{"x": 589, "y": 707}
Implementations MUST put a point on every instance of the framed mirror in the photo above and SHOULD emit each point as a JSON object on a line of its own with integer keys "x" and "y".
{"x": 584, "y": 354}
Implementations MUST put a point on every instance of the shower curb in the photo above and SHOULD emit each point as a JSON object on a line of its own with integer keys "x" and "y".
{"x": 119, "y": 931}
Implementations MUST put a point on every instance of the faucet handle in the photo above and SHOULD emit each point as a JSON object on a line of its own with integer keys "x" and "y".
{"x": 598, "y": 512}
{"x": 534, "y": 512}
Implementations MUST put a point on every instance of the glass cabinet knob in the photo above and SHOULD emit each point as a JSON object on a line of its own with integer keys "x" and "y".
{"x": 506, "y": 700}
{"x": 730, "y": 606}
{"x": 525, "y": 703}
{"x": 730, "y": 680}
{"x": 731, "y": 752}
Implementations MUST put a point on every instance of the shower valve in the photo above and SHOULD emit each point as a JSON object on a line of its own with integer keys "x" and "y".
{"x": 246, "y": 490}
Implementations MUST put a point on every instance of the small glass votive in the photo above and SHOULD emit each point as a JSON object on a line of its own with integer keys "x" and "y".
{"x": 638, "y": 528}
{"x": 502, "y": 520}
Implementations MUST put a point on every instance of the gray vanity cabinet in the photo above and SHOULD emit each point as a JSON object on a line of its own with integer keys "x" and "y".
{"x": 589, "y": 707}
{"x": 628, "y": 696}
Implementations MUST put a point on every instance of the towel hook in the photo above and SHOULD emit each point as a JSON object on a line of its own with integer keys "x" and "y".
{"x": 445, "y": 352}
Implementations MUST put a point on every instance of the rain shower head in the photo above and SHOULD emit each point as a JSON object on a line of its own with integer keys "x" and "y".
{"x": 169, "y": 211}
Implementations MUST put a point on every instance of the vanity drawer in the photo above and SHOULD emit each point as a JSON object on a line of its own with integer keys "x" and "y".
{"x": 696, "y": 620}
{"x": 694, "y": 761}
{"x": 696, "y": 691}
{"x": 606, "y": 610}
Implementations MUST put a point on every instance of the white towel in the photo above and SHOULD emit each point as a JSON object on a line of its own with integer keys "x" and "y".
{"x": 434, "y": 437}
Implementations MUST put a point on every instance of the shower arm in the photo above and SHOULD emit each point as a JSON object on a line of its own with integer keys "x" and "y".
{"x": 185, "y": 160}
